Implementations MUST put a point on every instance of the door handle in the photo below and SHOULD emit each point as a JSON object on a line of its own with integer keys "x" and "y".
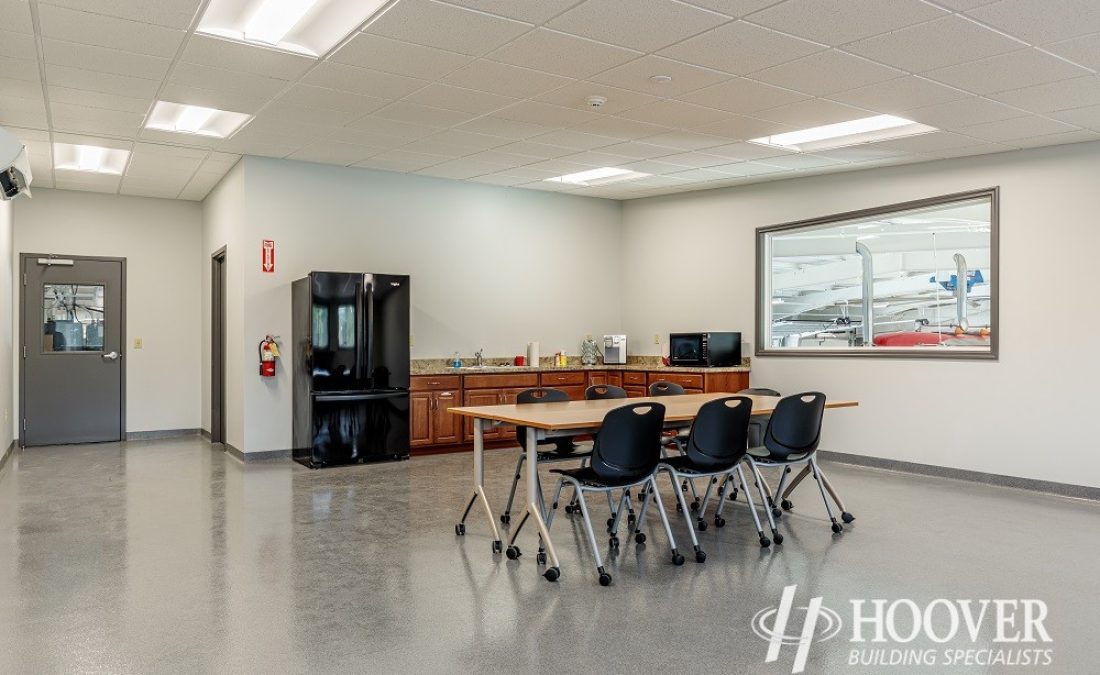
{"x": 111, "y": 356}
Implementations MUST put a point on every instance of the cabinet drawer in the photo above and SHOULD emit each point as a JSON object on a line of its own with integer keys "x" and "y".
{"x": 685, "y": 380}
{"x": 633, "y": 377}
{"x": 498, "y": 381}
{"x": 562, "y": 379}
{"x": 433, "y": 382}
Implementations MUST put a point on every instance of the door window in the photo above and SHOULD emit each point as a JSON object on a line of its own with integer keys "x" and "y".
{"x": 73, "y": 318}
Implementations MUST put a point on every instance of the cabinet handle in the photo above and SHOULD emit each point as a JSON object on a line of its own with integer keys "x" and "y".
{"x": 446, "y": 394}
{"x": 434, "y": 384}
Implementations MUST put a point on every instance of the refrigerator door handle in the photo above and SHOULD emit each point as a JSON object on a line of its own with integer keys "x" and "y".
{"x": 358, "y": 331}
{"x": 368, "y": 306}
{"x": 376, "y": 396}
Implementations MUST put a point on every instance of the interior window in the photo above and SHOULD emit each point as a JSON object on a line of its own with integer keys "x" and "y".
{"x": 73, "y": 318}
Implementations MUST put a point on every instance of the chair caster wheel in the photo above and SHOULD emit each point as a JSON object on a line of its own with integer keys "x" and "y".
{"x": 765, "y": 542}
{"x": 540, "y": 558}
{"x": 613, "y": 541}
{"x": 639, "y": 538}
{"x": 513, "y": 552}
{"x": 701, "y": 525}
{"x": 497, "y": 546}
{"x": 776, "y": 512}
{"x": 694, "y": 506}
{"x": 505, "y": 518}
{"x": 733, "y": 496}
{"x": 460, "y": 529}
{"x": 787, "y": 504}
{"x": 677, "y": 559}
{"x": 610, "y": 523}
{"x": 776, "y": 537}
{"x": 605, "y": 579}
{"x": 679, "y": 509}
{"x": 631, "y": 519}
{"x": 569, "y": 508}
{"x": 700, "y": 556}
{"x": 837, "y": 528}
{"x": 552, "y": 574}
{"x": 719, "y": 521}
{"x": 847, "y": 517}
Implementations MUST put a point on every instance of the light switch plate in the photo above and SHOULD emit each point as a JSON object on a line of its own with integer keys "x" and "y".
{"x": 138, "y": 343}
{"x": 656, "y": 338}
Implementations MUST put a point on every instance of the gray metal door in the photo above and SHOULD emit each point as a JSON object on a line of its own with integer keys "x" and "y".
{"x": 73, "y": 368}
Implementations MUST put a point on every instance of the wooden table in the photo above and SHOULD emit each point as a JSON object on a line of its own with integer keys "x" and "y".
{"x": 549, "y": 420}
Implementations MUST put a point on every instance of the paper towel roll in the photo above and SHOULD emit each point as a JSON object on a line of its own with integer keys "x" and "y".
{"x": 533, "y": 353}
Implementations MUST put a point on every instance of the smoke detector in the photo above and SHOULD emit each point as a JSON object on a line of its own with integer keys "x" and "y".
{"x": 595, "y": 101}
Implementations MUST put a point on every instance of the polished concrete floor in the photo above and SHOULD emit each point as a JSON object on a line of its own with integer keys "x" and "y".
{"x": 172, "y": 557}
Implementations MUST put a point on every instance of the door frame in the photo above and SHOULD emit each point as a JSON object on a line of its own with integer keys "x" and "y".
{"x": 217, "y": 345}
{"x": 24, "y": 258}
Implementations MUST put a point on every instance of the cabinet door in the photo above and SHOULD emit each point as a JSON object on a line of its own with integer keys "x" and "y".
{"x": 614, "y": 378}
{"x": 446, "y": 428}
{"x": 477, "y": 397}
{"x": 420, "y": 419}
{"x": 575, "y": 392}
{"x": 636, "y": 391}
{"x": 597, "y": 377}
{"x": 508, "y": 432}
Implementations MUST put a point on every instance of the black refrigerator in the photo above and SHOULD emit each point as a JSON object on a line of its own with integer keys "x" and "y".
{"x": 351, "y": 368}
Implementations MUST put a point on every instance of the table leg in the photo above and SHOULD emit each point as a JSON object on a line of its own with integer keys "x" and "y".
{"x": 534, "y": 502}
{"x": 479, "y": 486}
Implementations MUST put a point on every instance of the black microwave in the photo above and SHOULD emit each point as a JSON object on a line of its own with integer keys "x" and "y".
{"x": 704, "y": 350}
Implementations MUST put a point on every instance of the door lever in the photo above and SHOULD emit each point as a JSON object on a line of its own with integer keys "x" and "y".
{"x": 111, "y": 356}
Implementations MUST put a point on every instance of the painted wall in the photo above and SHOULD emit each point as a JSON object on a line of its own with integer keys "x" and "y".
{"x": 160, "y": 239}
{"x": 491, "y": 267}
{"x": 1019, "y": 416}
{"x": 7, "y": 345}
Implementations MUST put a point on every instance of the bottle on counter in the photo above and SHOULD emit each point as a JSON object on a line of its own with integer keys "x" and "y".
{"x": 455, "y": 361}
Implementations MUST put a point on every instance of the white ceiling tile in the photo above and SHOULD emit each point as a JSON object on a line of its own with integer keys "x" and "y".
{"x": 17, "y": 16}
{"x": 621, "y": 128}
{"x": 509, "y": 129}
{"x": 694, "y": 160}
{"x": 674, "y": 114}
{"x": 210, "y": 51}
{"x": 700, "y": 175}
{"x": 505, "y": 80}
{"x": 222, "y": 99}
{"x": 20, "y": 88}
{"x": 802, "y": 161}
{"x": 503, "y": 158}
{"x": 371, "y": 138}
{"x": 639, "y": 150}
{"x": 569, "y": 138}
{"x": 734, "y": 8}
{"x": 253, "y": 141}
{"x": 23, "y": 112}
{"x": 935, "y": 44}
{"x": 138, "y": 187}
{"x": 867, "y": 152}
{"x": 761, "y": 168}
{"x": 274, "y": 127}
{"x": 461, "y": 99}
{"x": 331, "y": 99}
{"x": 740, "y": 127}
{"x": 545, "y": 114}
{"x": 170, "y": 13}
{"x": 448, "y": 27}
{"x": 619, "y": 22}
{"x": 105, "y": 31}
{"x": 654, "y": 167}
{"x": 1054, "y": 96}
{"x": 900, "y": 94}
{"x": 362, "y": 80}
{"x": 1084, "y": 50}
{"x": 1041, "y": 22}
{"x": 291, "y": 114}
{"x": 104, "y": 60}
{"x": 400, "y": 58}
{"x": 465, "y": 142}
{"x": 934, "y": 142}
{"x": 86, "y": 182}
{"x": 1006, "y": 131}
{"x": 1079, "y": 136}
{"x": 575, "y": 95}
{"x": 963, "y": 112}
{"x": 383, "y": 164}
{"x": 535, "y": 150}
{"x": 745, "y": 151}
{"x": 684, "y": 140}
{"x": 404, "y": 158}
{"x": 119, "y": 85}
{"x": 561, "y": 54}
{"x": 15, "y": 45}
{"x": 206, "y": 77}
{"x": 393, "y": 128}
{"x": 1021, "y": 68}
{"x": 95, "y": 99}
{"x": 403, "y": 111}
{"x": 83, "y": 139}
{"x": 827, "y": 72}
{"x": 1088, "y": 117}
{"x": 532, "y": 11}
{"x": 501, "y": 179}
{"x": 740, "y": 48}
{"x": 741, "y": 95}
{"x": 597, "y": 158}
{"x": 333, "y": 153}
{"x": 83, "y": 120}
{"x": 636, "y": 76}
{"x": 837, "y": 22}
{"x": 963, "y": 5}
{"x": 460, "y": 169}
{"x": 812, "y": 113}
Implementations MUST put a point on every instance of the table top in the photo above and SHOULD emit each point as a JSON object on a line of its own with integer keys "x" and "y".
{"x": 590, "y": 414}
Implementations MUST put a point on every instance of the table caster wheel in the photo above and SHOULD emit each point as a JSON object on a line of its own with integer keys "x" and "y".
{"x": 847, "y": 517}
{"x": 552, "y": 574}
{"x": 460, "y": 529}
{"x": 776, "y": 537}
{"x": 719, "y": 521}
{"x": 701, "y": 525}
{"x": 639, "y": 538}
{"x": 505, "y": 518}
{"x": 765, "y": 542}
{"x": 677, "y": 559}
{"x": 605, "y": 579}
{"x": 700, "y": 556}
{"x": 540, "y": 558}
{"x": 513, "y": 552}
{"x": 837, "y": 528}
{"x": 787, "y": 504}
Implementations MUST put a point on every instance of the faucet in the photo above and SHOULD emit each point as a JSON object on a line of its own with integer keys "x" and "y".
{"x": 480, "y": 360}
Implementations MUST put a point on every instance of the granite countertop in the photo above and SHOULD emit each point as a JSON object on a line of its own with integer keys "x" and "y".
{"x": 432, "y": 368}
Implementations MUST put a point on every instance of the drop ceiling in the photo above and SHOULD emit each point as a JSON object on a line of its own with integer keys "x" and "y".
{"x": 493, "y": 91}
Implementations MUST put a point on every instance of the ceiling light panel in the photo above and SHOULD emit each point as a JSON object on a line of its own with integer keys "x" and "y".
{"x": 193, "y": 119}
{"x": 309, "y": 27}
{"x": 89, "y": 158}
{"x": 842, "y": 134}
{"x": 602, "y": 176}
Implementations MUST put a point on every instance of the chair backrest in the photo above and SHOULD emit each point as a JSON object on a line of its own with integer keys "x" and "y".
{"x": 628, "y": 446}
{"x": 538, "y": 395}
{"x": 720, "y": 433}
{"x": 662, "y": 388}
{"x": 795, "y": 425}
{"x": 758, "y": 391}
{"x": 602, "y": 391}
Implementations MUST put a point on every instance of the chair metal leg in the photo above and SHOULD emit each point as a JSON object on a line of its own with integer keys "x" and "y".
{"x": 844, "y": 514}
{"x": 677, "y": 558}
{"x": 506, "y": 517}
{"x": 726, "y": 481}
{"x": 605, "y": 578}
{"x": 837, "y": 527}
{"x": 701, "y": 508}
{"x": 675, "y": 478}
{"x": 554, "y": 504}
{"x": 764, "y": 541}
{"x": 639, "y": 536}
{"x": 762, "y": 486}
{"x": 776, "y": 511}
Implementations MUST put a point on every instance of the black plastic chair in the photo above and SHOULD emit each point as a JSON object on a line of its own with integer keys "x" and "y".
{"x": 715, "y": 447}
{"x": 603, "y": 391}
{"x": 563, "y": 448}
{"x": 662, "y": 388}
{"x": 677, "y": 438}
{"x": 791, "y": 438}
{"x": 625, "y": 455}
{"x": 759, "y": 424}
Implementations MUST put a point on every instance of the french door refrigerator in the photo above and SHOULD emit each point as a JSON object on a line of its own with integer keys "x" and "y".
{"x": 351, "y": 368}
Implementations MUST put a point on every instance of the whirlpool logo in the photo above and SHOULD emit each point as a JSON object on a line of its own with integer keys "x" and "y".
{"x": 957, "y": 625}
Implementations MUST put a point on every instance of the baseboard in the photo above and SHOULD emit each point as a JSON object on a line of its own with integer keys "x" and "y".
{"x": 205, "y": 434}
{"x": 159, "y": 434}
{"x": 1049, "y": 487}
{"x": 7, "y": 453}
{"x": 250, "y": 457}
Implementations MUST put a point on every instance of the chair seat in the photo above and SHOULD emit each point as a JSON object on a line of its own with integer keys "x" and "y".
{"x": 684, "y": 464}
{"x": 762, "y": 455}
{"x": 588, "y": 478}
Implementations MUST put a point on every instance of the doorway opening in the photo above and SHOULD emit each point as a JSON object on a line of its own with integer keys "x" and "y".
{"x": 217, "y": 347}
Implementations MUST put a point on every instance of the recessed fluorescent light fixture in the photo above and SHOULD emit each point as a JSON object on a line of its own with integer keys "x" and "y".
{"x": 90, "y": 158}
{"x": 841, "y": 134}
{"x": 192, "y": 119}
{"x": 308, "y": 27}
{"x": 602, "y": 176}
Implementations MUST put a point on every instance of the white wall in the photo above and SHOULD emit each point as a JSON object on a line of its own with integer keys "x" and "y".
{"x": 7, "y": 345}
{"x": 161, "y": 241}
{"x": 491, "y": 267}
{"x": 1020, "y": 416}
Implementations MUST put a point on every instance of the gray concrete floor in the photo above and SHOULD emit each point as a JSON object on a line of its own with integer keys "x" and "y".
{"x": 172, "y": 557}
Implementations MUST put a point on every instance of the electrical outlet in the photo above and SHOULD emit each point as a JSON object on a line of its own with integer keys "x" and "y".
{"x": 588, "y": 337}
{"x": 412, "y": 340}
{"x": 656, "y": 338}
{"x": 138, "y": 343}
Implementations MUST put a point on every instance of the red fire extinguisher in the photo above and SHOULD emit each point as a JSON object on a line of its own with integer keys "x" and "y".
{"x": 269, "y": 351}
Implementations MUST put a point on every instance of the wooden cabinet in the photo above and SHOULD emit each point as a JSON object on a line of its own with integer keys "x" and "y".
{"x": 429, "y": 401}
{"x": 635, "y": 391}
{"x": 420, "y": 419}
{"x": 597, "y": 377}
{"x": 691, "y": 382}
{"x": 615, "y": 378}
{"x": 495, "y": 389}
{"x": 481, "y": 397}
{"x": 446, "y": 428}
